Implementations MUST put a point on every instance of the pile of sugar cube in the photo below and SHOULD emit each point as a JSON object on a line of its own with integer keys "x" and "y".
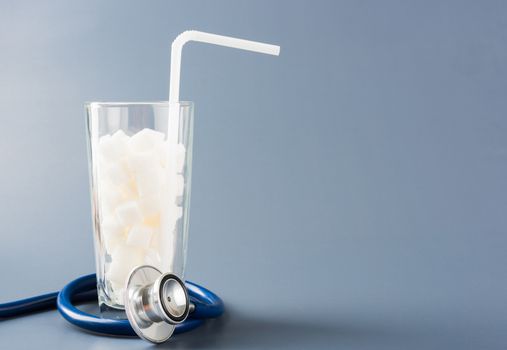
{"x": 140, "y": 188}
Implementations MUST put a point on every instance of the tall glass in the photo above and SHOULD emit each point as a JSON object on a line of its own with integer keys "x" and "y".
{"x": 140, "y": 190}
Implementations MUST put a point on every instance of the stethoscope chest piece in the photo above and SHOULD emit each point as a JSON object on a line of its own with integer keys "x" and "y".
{"x": 155, "y": 303}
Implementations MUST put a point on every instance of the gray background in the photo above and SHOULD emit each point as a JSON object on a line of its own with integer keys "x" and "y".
{"x": 349, "y": 194}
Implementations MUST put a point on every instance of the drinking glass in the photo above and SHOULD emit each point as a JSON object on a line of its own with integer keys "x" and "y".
{"x": 140, "y": 163}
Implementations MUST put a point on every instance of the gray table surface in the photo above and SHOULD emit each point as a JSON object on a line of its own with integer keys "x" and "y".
{"x": 350, "y": 194}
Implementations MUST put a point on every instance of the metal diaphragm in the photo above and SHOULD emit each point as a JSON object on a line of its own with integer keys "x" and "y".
{"x": 155, "y": 303}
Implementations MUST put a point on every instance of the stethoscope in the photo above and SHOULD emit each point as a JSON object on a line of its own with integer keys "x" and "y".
{"x": 157, "y": 305}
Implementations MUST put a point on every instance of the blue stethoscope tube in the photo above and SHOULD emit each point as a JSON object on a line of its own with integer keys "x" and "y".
{"x": 207, "y": 305}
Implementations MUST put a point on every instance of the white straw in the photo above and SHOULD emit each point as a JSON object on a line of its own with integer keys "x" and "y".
{"x": 194, "y": 35}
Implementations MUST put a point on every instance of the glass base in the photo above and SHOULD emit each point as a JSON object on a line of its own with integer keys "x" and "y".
{"x": 108, "y": 308}
{"x": 109, "y": 312}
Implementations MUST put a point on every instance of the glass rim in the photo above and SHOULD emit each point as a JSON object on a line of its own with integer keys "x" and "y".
{"x": 136, "y": 103}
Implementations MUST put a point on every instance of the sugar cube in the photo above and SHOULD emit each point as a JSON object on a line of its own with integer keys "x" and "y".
{"x": 152, "y": 258}
{"x": 176, "y": 185}
{"x": 111, "y": 242}
{"x": 155, "y": 240}
{"x": 117, "y": 173}
{"x": 117, "y": 294}
{"x": 140, "y": 162}
{"x": 120, "y": 140}
{"x": 124, "y": 258}
{"x": 129, "y": 213}
{"x": 150, "y": 204}
{"x": 139, "y": 236}
{"x": 111, "y": 227}
{"x": 128, "y": 190}
{"x": 109, "y": 195}
{"x": 149, "y": 184}
{"x": 145, "y": 140}
{"x": 109, "y": 150}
